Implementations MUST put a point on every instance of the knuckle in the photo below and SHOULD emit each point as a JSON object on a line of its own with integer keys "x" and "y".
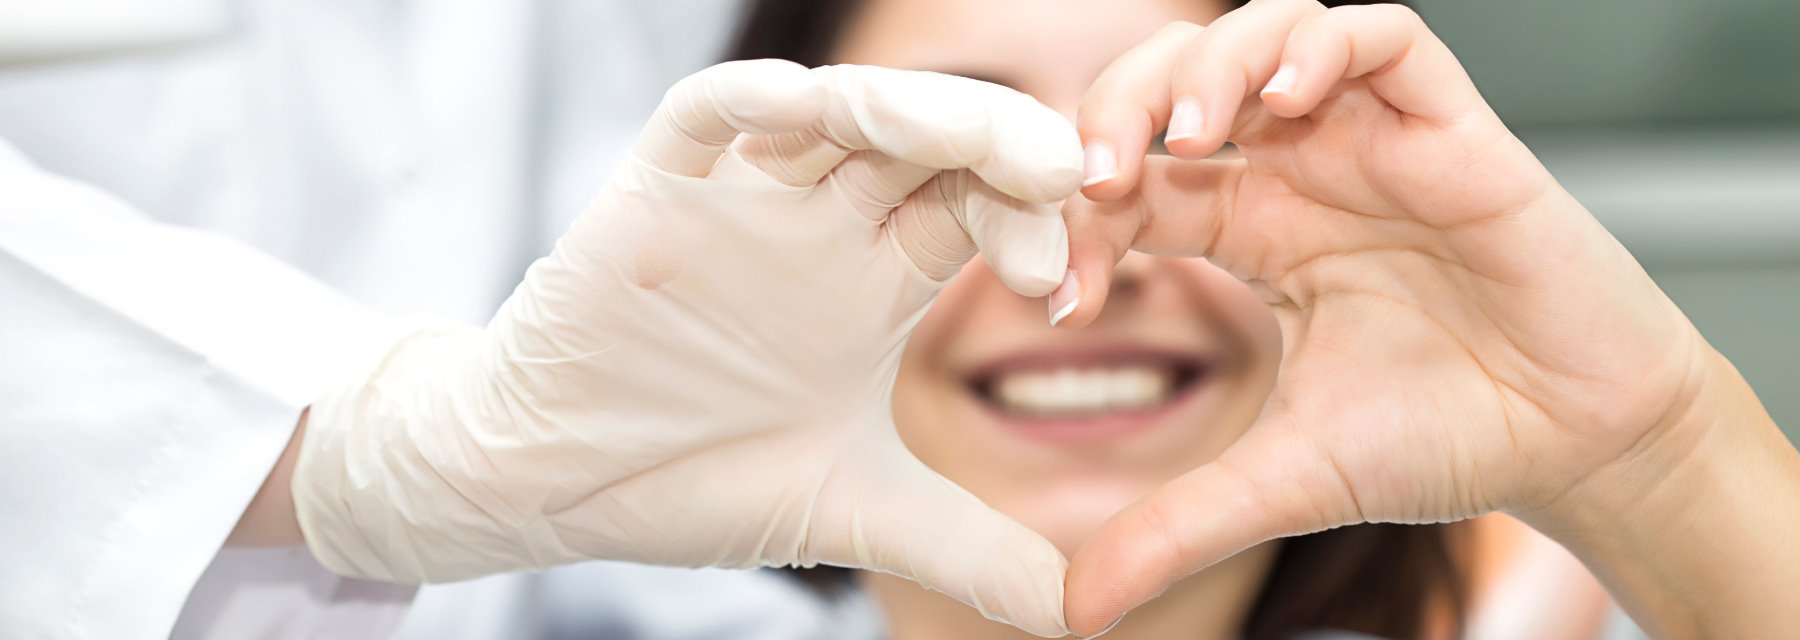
{"x": 1106, "y": 109}
{"x": 1383, "y": 13}
{"x": 1309, "y": 6}
{"x": 1166, "y": 542}
{"x": 684, "y": 87}
{"x": 1178, "y": 28}
{"x": 1219, "y": 46}
{"x": 1400, "y": 12}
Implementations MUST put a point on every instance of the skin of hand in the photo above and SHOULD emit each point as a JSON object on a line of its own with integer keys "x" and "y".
{"x": 1460, "y": 335}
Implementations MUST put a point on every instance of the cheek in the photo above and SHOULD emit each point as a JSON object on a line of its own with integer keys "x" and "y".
{"x": 958, "y": 299}
{"x": 925, "y": 394}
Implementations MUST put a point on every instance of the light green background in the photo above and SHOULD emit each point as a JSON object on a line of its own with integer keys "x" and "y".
{"x": 1628, "y": 62}
{"x": 1678, "y": 124}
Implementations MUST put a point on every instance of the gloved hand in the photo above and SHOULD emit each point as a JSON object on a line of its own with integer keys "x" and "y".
{"x": 700, "y": 373}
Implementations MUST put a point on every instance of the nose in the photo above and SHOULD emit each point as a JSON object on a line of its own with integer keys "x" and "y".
{"x": 1129, "y": 278}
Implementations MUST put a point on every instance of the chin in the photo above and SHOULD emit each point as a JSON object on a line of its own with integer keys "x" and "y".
{"x": 1069, "y": 510}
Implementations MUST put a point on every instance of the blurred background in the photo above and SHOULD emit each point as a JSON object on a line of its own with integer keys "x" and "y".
{"x": 1678, "y": 124}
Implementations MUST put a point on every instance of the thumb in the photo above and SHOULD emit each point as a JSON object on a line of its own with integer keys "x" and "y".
{"x": 888, "y": 512}
{"x": 1270, "y": 484}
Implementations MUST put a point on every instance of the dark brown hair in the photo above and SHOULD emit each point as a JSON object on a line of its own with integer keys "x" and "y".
{"x": 1387, "y": 580}
{"x": 806, "y": 31}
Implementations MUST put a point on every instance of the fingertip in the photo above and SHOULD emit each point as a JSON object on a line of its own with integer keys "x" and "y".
{"x": 1195, "y": 138}
{"x": 768, "y": 96}
{"x": 1190, "y": 149}
{"x": 1034, "y": 154}
{"x": 1190, "y": 135}
{"x": 1045, "y": 143}
{"x": 1079, "y": 300}
{"x": 1283, "y": 95}
{"x": 1099, "y": 233}
{"x": 1030, "y": 283}
{"x": 1096, "y": 594}
{"x": 1025, "y": 244}
{"x": 1100, "y": 164}
{"x": 1116, "y": 138}
{"x": 1127, "y": 105}
{"x": 1065, "y": 298}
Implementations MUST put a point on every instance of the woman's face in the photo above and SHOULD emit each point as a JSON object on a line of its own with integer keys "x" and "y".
{"x": 1057, "y": 428}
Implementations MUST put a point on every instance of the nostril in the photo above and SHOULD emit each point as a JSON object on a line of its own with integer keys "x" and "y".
{"x": 1125, "y": 285}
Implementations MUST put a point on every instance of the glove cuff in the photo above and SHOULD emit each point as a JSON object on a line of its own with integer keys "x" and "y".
{"x": 369, "y": 491}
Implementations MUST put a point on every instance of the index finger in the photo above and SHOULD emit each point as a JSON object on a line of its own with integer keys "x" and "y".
{"x": 1177, "y": 208}
{"x": 1125, "y": 107}
{"x": 1013, "y": 142}
{"x": 1390, "y": 45}
{"x": 704, "y": 112}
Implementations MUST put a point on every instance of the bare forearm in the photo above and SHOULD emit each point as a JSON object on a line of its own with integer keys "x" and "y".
{"x": 269, "y": 521}
{"x": 1701, "y": 538}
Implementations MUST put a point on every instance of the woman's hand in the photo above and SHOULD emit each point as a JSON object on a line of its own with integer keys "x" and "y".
{"x": 1460, "y": 335}
{"x": 701, "y": 373}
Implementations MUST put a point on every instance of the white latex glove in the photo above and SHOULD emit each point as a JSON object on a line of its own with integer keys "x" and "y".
{"x": 700, "y": 373}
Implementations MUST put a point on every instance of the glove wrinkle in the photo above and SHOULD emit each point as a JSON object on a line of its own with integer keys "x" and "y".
{"x": 701, "y": 372}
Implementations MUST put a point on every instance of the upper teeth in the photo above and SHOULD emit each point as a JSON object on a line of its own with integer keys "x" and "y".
{"x": 1079, "y": 391}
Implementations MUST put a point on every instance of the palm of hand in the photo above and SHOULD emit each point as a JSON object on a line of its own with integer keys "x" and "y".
{"x": 1449, "y": 346}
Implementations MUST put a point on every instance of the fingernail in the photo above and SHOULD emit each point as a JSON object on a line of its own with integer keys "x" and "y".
{"x": 1184, "y": 120}
{"x": 1283, "y": 82}
{"x": 1102, "y": 163}
{"x": 1064, "y": 298}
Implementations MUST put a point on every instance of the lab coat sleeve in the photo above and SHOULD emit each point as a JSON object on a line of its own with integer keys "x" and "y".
{"x": 150, "y": 375}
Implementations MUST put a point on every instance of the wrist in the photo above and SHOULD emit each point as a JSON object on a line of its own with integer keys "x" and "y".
{"x": 270, "y": 520}
{"x": 1686, "y": 528}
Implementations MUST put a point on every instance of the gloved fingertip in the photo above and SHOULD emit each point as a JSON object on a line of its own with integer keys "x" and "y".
{"x": 1031, "y": 283}
{"x": 1037, "y": 155}
{"x": 1061, "y": 172}
{"x": 1029, "y": 251}
{"x": 775, "y": 96}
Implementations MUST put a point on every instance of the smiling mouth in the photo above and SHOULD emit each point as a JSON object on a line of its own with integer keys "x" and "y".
{"x": 1077, "y": 390}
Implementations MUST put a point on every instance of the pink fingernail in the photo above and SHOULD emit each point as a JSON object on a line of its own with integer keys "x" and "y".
{"x": 1284, "y": 79}
{"x": 1064, "y": 299}
{"x": 1102, "y": 163}
{"x": 1185, "y": 119}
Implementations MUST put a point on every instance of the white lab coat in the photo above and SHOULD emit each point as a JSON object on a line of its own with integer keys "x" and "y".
{"x": 344, "y": 157}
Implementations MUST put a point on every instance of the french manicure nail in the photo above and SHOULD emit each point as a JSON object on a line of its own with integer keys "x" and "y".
{"x": 1065, "y": 297}
{"x": 1102, "y": 163}
{"x": 1283, "y": 82}
{"x": 1184, "y": 120}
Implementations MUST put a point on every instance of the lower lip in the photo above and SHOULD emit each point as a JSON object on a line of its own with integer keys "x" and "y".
{"x": 1065, "y": 430}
